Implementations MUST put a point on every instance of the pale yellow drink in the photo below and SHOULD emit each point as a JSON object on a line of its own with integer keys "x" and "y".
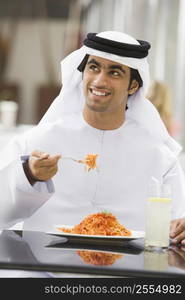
{"x": 154, "y": 260}
{"x": 158, "y": 216}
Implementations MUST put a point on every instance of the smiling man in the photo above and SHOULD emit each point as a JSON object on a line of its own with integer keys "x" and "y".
{"x": 101, "y": 110}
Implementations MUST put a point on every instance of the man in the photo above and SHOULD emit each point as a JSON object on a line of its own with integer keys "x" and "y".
{"x": 101, "y": 110}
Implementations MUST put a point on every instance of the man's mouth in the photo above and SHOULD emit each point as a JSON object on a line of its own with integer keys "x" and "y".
{"x": 99, "y": 93}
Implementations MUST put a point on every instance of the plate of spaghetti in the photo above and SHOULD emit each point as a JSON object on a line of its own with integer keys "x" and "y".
{"x": 98, "y": 227}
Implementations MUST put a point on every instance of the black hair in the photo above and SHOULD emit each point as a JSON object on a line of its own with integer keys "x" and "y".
{"x": 134, "y": 75}
{"x": 83, "y": 63}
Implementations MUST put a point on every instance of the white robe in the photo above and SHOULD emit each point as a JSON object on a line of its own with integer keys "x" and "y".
{"x": 128, "y": 157}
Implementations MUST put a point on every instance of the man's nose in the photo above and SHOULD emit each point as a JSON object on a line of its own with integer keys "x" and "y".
{"x": 101, "y": 79}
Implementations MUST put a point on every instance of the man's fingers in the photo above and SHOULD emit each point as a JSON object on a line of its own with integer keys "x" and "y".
{"x": 50, "y": 161}
{"x": 39, "y": 154}
{"x": 45, "y": 174}
{"x": 45, "y": 160}
{"x": 183, "y": 243}
{"x": 57, "y": 156}
{"x": 175, "y": 228}
{"x": 179, "y": 238}
{"x": 177, "y": 231}
{"x": 42, "y": 165}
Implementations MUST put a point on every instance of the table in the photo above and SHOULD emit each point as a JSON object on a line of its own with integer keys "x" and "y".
{"x": 39, "y": 251}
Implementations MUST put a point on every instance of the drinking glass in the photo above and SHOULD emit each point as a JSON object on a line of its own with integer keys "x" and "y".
{"x": 158, "y": 216}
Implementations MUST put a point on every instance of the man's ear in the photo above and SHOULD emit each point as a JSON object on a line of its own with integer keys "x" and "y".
{"x": 133, "y": 87}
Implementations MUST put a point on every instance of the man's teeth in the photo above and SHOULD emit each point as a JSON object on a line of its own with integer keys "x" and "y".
{"x": 97, "y": 93}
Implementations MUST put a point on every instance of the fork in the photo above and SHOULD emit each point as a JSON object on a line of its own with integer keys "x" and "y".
{"x": 71, "y": 158}
{"x": 81, "y": 161}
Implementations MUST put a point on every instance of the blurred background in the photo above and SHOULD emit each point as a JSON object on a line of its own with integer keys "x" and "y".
{"x": 35, "y": 35}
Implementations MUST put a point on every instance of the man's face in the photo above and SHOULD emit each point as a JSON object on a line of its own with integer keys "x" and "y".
{"x": 105, "y": 84}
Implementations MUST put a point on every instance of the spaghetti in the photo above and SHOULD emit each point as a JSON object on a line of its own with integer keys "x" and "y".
{"x": 98, "y": 258}
{"x": 102, "y": 223}
{"x": 90, "y": 161}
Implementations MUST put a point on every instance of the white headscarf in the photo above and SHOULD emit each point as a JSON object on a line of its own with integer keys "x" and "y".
{"x": 71, "y": 98}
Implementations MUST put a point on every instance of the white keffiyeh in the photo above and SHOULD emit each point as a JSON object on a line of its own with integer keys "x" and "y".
{"x": 71, "y": 98}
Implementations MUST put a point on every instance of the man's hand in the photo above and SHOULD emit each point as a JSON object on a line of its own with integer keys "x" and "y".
{"x": 177, "y": 231}
{"x": 43, "y": 166}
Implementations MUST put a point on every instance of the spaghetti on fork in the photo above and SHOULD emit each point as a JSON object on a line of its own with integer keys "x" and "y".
{"x": 90, "y": 161}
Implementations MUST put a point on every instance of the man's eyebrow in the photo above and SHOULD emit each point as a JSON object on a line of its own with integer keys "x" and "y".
{"x": 93, "y": 61}
{"x": 117, "y": 67}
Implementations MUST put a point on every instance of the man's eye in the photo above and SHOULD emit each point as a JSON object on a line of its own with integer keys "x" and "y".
{"x": 93, "y": 67}
{"x": 115, "y": 73}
